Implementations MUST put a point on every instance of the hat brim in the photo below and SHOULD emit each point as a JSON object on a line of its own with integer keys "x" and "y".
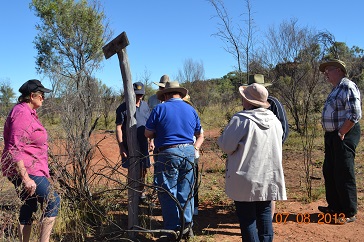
{"x": 323, "y": 66}
{"x": 160, "y": 93}
{"x": 263, "y": 84}
{"x": 189, "y": 102}
{"x": 252, "y": 101}
{"x": 139, "y": 92}
{"x": 43, "y": 89}
{"x": 160, "y": 84}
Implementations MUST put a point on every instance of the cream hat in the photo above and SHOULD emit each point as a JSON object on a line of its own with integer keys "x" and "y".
{"x": 255, "y": 94}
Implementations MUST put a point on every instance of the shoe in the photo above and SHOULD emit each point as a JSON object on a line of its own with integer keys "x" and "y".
{"x": 187, "y": 232}
{"x": 195, "y": 211}
{"x": 351, "y": 219}
{"x": 346, "y": 220}
{"x": 167, "y": 238}
{"x": 143, "y": 200}
{"x": 326, "y": 210}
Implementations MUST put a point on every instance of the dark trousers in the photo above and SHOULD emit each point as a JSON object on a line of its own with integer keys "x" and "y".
{"x": 339, "y": 171}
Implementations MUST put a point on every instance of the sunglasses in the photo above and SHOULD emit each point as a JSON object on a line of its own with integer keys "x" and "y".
{"x": 40, "y": 94}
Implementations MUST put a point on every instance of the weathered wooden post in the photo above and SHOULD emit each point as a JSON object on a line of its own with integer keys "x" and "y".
{"x": 118, "y": 45}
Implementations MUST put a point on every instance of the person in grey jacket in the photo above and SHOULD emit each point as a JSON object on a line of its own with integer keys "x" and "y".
{"x": 254, "y": 174}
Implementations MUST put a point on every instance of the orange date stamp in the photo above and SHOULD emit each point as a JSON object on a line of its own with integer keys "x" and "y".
{"x": 307, "y": 218}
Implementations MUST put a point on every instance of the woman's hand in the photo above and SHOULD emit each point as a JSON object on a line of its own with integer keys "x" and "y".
{"x": 30, "y": 186}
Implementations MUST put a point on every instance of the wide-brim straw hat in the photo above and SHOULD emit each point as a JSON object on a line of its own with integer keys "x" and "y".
{"x": 255, "y": 94}
{"x": 333, "y": 62}
{"x": 162, "y": 82}
{"x": 171, "y": 87}
{"x": 257, "y": 78}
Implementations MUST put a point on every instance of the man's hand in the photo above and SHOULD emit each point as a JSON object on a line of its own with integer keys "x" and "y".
{"x": 122, "y": 150}
{"x": 151, "y": 145}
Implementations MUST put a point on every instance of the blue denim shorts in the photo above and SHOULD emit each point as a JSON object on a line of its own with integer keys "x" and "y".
{"x": 44, "y": 194}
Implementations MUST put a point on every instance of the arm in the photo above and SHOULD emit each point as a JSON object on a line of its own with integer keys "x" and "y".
{"x": 345, "y": 128}
{"x": 119, "y": 139}
{"x": 149, "y": 126}
{"x": 199, "y": 140}
{"x": 18, "y": 134}
{"x": 232, "y": 135}
{"x": 29, "y": 183}
{"x": 353, "y": 105}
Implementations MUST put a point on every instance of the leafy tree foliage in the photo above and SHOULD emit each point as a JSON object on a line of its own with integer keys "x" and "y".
{"x": 70, "y": 37}
{"x": 6, "y": 97}
{"x": 69, "y": 43}
{"x": 353, "y": 58}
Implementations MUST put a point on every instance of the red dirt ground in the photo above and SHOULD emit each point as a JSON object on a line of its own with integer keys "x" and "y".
{"x": 217, "y": 224}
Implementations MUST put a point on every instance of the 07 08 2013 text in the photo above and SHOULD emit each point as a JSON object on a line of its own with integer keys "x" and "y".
{"x": 307, "y": 218}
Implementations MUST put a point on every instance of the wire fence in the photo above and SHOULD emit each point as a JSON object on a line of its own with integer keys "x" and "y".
{"x": 102, "y": 213}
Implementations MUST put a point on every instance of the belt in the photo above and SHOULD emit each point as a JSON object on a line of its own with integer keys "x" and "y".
{"x": 162, "y": 148}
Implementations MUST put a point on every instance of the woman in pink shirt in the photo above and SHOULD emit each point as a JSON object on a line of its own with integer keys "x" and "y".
{"x": 25, "y": 160}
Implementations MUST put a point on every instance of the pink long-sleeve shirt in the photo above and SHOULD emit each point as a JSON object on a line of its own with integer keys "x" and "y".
{"x": 25, "y": 139}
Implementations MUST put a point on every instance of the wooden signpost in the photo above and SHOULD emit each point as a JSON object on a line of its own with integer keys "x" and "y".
{"x": 118, "y": 46}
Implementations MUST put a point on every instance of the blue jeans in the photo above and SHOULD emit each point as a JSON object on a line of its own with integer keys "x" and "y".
{"x": 173, "y": 176}
{"x": 255, "y": 221}
{"x": 44, "y": 194}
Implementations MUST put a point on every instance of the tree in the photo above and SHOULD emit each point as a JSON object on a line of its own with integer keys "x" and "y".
{"x": 70, "y": 37}
{"x": 295, "y": 52}
{"x": 239, "y": 41}
{"x": 145, "y": 79}
{"x": 108, "y": 103}
{"x": 69, "y": 44}
{"x": 6, "y": 97}
{"x": 353, "y": 57}
{"x": 192, "y": 71}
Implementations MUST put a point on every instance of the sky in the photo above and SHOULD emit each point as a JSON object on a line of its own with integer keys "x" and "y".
{"x": 163, "y": 34}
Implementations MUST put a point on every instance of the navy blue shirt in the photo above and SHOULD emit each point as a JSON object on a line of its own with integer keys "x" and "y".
{"x": 141, "y": 115}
